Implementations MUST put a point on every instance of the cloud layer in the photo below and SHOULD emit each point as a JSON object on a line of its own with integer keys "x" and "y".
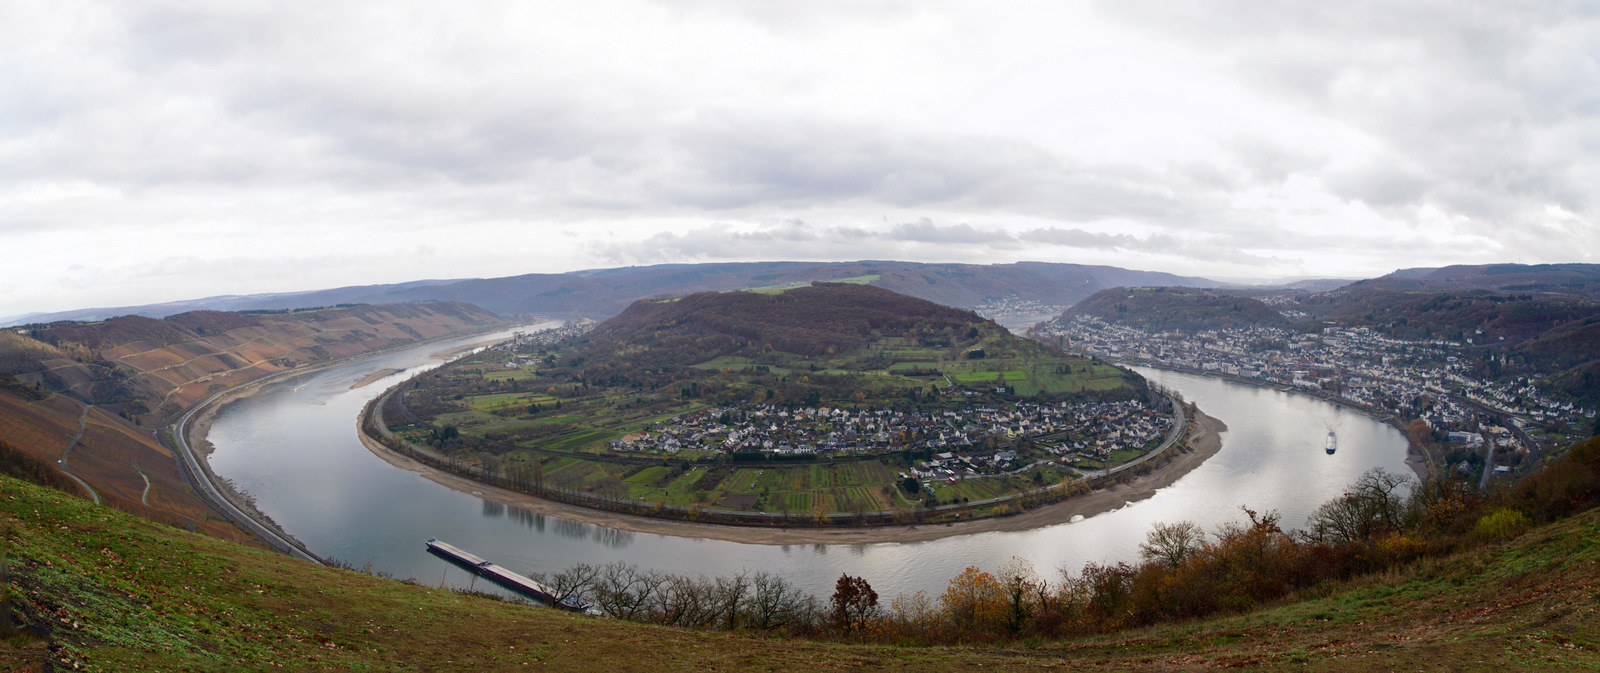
{"x": 162, "y": 150}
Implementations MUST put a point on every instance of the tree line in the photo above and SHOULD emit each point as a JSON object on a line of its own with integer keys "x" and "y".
{"x": 1382, "y": 522}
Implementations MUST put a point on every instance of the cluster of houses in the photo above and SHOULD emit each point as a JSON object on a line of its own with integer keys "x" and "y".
{"x": 1359, "y": 365}
{"x": 950, "y": 466}
{"x": 1003, "y": 310}
{"x": 1092, "y": 429}
{"x": 525, "y": 344}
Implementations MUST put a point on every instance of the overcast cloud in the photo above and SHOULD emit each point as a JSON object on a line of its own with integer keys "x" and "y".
{"x": 154, "y": 151}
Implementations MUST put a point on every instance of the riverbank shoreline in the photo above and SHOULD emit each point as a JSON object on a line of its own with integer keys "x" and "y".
{"x": 195, "y": 426}
{"x": 1417, "y": 458}
{"x": 1205, "y": 441}
{"x": 374, "y": 377}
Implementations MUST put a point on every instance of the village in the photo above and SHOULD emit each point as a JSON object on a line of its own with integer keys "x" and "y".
{"x": 977, "y": 439}
{"x": 1429, "y": 380}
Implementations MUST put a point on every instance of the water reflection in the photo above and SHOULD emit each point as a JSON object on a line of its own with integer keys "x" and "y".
{"x": 493, "y": 510}
{"x": 568, "y": 528}
{"x": 528, "y": 518}
{"x": 615, "y": 538}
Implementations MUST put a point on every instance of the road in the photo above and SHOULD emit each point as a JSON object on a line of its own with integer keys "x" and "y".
{"x": 1181, "y": 420}
{"x": 196, "y": 476}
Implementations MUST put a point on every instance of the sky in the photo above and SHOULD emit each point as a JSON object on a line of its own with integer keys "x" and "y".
{"x": 155, "y": 151}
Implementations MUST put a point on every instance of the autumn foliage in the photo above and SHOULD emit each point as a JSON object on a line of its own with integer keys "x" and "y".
{"x": 1382, "y": 521}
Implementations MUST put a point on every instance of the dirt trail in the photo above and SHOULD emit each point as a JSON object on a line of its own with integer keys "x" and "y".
{"x": 83, "y": 422}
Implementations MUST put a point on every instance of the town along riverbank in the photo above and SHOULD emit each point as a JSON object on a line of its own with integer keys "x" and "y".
{"x": 1204, "y": 440}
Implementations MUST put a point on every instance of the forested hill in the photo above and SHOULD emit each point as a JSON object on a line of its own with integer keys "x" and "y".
{"x": 1581, "y": 280}
{"x": 822, "y": 319}
{"x": 1161, "y": 309}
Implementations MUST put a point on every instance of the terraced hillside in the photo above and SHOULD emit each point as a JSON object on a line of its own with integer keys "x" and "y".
{"x": 150, "y": 369}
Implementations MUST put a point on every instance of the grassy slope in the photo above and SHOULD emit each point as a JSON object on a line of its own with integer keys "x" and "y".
{"x": 128, "y": 594}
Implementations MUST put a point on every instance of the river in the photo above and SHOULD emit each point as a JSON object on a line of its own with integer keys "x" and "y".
{"x": 293, "y": 447}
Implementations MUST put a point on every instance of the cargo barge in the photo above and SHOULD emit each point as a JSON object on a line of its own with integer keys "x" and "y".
{"x": 504, "y": 577}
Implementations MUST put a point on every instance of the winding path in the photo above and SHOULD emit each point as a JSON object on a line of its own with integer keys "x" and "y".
{"x": 83, "y": 420}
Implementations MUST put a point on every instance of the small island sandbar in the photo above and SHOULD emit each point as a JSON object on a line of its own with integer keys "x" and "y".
{"x": 451, "y": 353}
{"x": 373, "y": 377}
{"x": 1205, "y": 441}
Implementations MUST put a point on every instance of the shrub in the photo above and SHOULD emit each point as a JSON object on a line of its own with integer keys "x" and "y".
{"x": 1502, "y": 523}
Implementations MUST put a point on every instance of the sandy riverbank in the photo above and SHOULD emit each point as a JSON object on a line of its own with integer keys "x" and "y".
{"x": 1206, "y": 441}
{"x": 373, "y": 377}
{"x": 452, "y": 353}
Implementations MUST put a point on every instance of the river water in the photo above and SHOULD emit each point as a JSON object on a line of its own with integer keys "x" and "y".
{"x": 293, "y": 446}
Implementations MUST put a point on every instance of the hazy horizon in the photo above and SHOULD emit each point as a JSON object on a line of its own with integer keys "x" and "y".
{"x": 161, "y": 151}
{"x": 15, "y": 317}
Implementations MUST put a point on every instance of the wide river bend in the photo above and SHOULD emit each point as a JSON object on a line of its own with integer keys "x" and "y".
{"x": 293, "y": 447}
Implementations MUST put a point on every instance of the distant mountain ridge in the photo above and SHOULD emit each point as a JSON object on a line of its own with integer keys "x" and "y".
{"x": 601, "y": 293}
{"x": 1568, "y": 279}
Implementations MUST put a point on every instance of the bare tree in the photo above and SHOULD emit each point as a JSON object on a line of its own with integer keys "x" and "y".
{"x": 624, "y": 591}
{"x": 1172, "y": 543}
{"x": 687, "y": 602}
{"x": 1372, "y": 507}
{"x": 775, "y": 604}
{"x": 729, "y": 594}
{"x": 575, "y": 580}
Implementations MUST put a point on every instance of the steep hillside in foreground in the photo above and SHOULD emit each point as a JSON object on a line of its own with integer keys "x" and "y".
{"x": 1162, "y": 309}
{"x": 102, "y": 590}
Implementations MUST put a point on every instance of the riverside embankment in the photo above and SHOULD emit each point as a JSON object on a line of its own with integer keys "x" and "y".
{"x": 188, "y": 439}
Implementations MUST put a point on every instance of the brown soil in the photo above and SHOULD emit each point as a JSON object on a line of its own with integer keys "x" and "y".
{"x": 1206, "y": 441}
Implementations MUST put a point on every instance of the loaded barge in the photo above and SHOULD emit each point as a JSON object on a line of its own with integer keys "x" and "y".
{"x": 504, "y": 577}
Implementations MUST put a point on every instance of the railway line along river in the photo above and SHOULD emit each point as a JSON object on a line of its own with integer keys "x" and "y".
{"x": 293, "y": 447}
